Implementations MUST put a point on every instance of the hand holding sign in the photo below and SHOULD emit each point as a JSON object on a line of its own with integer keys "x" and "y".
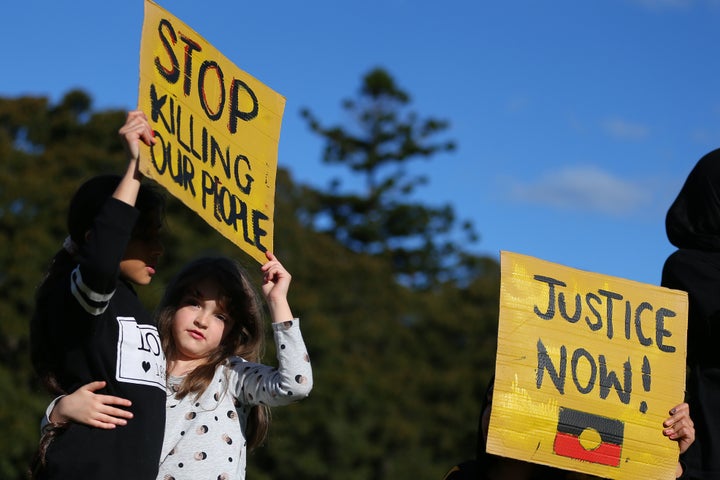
{"x": 680, "y": 427}
{"x": 135, "y": 130}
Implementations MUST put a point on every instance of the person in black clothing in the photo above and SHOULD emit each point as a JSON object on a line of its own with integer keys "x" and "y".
{"x": 90, "y": 325}
{"x": 486, "y": 466}
{"x": 693, "y": 226}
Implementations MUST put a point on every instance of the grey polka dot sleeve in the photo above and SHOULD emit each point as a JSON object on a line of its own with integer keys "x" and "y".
{"x": 292, "y": 380}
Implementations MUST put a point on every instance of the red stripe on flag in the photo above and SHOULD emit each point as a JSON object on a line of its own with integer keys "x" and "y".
{"x": 569, "y": 446}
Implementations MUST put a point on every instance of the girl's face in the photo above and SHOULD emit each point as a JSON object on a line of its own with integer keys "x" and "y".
{"x": 142, "y": 254}
{"x": 200, "y": 322}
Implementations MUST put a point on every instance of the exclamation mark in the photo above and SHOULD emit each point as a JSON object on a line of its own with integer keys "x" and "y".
{"x": 645, "y": 381}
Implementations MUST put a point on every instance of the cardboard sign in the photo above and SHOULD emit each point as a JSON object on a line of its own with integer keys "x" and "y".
{"x": 217, "y": 131}
{"x": 588, "y": 367}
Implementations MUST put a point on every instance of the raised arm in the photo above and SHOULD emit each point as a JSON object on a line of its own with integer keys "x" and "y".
{"x": 292, "y": 380}
{"x": 276, "y": 283}
{"x": 135, "y": 130}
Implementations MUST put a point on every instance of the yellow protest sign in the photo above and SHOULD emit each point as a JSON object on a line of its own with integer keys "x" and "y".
{"x": 587, "y": 368}
{"x": 217, "y": 131}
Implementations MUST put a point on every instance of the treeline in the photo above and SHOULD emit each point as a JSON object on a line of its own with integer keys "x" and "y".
{"x": 399, "y": 318}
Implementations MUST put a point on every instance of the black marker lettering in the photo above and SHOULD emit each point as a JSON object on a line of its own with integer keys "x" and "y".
{"x": 550, "y": 312}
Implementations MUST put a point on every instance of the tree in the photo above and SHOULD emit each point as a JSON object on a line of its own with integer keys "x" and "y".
{"x": 383, "y": 219}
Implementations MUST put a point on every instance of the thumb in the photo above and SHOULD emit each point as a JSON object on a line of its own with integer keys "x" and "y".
{"x": 94, "y": 386}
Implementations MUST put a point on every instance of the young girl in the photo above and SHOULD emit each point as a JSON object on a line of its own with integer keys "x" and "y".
{"x": 210, "y": 323}
{"x": 89, "y": 325}
{"x": 211, "y": 326}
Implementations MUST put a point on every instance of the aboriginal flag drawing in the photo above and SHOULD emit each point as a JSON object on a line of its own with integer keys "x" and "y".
{"x": 589, "y": 437}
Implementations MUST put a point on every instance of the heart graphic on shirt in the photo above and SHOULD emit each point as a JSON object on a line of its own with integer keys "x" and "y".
{"x": 146, "y": 366}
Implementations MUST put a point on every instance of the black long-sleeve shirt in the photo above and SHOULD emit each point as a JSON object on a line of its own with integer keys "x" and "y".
{"x": 105, "y": 333}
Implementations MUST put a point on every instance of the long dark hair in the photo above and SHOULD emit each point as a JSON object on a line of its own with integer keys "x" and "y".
{"x": 244, "y": 339}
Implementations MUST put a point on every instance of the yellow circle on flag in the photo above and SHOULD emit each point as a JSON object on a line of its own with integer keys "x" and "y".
{"x": 590, "y": 439}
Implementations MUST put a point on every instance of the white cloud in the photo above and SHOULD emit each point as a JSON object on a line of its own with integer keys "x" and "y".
{"x": 622, "y": 129}
{"x": 585, "y": 188}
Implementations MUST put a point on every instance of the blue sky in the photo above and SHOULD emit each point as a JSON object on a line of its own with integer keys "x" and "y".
{"x": 576, "y": 121}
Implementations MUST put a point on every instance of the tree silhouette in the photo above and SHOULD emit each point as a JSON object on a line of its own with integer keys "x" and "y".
{"x": 382, "y": 218}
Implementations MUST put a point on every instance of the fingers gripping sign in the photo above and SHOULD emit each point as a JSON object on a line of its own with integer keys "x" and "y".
{"x": 680, "y": 427}
{"x": 136, "y": 129}
{"x": 276, "y": 283}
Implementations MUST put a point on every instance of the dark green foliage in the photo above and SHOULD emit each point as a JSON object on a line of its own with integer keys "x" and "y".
{"x": 398, "y": 371}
